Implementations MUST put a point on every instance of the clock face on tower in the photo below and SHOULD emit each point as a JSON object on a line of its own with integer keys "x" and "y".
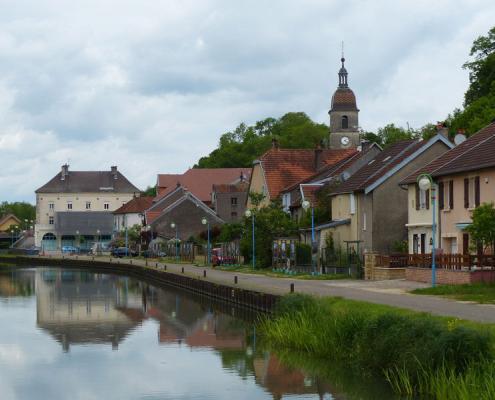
{"x": 344, "y": 140}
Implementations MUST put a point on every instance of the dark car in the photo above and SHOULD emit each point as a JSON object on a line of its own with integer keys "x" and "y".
{"x": 123, "y": 252}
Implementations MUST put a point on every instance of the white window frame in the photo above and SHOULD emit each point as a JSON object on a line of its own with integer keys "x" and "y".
{"x": 422, "y": 199}
{"x": 51, "y": 220}
{"x": 471, "y": 194}
{"x": 69, "y": 205}
{"x": 446, "y": 195}
{"x": 51, "y": 205}
{"x": 88, "y": 205}
{"x": 352, "y": 204}
{"x": 364, "y": 221}
{"x": 106, "y": 205}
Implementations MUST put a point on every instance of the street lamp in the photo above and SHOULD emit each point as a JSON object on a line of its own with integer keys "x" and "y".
{"x": 126, "y": 235}
{"x": 173, "y": 225}
{"x": 305, "y": 205}
{"x": 425, "y": 182}
{"x": 78, "y": 240}
{"x": 204, "y": 221}
{"x": 250, "y": 214}
{"x": 11, "y": 238}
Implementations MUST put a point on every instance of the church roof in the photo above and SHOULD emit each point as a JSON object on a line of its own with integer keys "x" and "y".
{"x": 344, "y": 99}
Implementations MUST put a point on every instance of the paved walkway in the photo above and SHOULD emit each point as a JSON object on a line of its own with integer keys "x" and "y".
{"x": 392, "y": 292}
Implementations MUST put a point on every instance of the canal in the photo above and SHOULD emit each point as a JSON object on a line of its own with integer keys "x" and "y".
{"x": 70, "y": 333}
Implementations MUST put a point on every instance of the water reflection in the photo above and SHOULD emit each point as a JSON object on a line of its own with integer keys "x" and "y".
{"x": 201, "y": 349}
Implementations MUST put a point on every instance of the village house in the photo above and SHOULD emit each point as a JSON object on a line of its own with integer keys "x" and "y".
{"x": 200, "y": 181}
{"x": 369, "y": 210}
{"x": 75, "y": 208}
{"x": 465, "y": 178}
{"x": 229, "y": 200}
{"x": 132, "y": 213}
{"x": 183, "y": 209}
{"x": 8, "y": 221}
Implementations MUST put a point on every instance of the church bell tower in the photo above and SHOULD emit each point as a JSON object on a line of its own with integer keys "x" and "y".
{"x": 344, "y": 119}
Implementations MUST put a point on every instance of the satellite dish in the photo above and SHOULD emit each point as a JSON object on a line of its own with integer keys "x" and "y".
{"x": 459, "y": 138}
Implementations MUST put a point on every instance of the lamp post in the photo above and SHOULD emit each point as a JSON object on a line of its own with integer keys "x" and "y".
{"x": 305, "y": 205}
{"x": 97, "y": 241}
{"x": 250, "y": 214}
{"x": 78, "y": 239}
{"x": 425, "y": 182}
{"x": 126, "y": 235}
{"x": 11, "y": 238}
{"x": 204, "y": 221}
{"x": 173, "y": 225}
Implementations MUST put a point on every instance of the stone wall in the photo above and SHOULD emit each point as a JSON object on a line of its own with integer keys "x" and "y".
{"x": 376, "y": 271}
{"x": 443, "y": 276}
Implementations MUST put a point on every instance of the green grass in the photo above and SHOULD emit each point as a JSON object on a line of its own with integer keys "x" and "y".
{"x": 276, "y": 274}
{"x": 477, "y": 292}
{"x": 399, "y": 345}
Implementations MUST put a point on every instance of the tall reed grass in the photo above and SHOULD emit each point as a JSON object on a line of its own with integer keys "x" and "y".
{"x": 402, "y": 346}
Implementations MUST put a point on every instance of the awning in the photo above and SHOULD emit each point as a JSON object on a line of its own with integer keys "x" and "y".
{"x": 462, "y": 225}
{"x": 86, "y": 223}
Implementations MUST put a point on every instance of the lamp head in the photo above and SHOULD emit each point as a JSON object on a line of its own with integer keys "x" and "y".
{"x": 172, "y": 225}
{"x": 248, "y": 213}
{"x": 306, "y": 204}
{"x": 424, "y": 183}
{"x": 204, "y": 221}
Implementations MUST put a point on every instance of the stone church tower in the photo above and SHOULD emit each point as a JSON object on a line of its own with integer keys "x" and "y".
{"x": 344, "y": 122}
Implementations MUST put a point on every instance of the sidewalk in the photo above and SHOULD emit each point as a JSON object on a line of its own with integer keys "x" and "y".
{"x": 392, "y": 293}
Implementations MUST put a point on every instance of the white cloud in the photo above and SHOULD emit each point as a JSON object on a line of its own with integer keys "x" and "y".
{"x": 151, "y": 86}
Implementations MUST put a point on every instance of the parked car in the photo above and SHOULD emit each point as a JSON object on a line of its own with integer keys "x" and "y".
{"x": 217, "y": 257}
{"x": 123, "y": 252}
{"x": 100, "y": 248}
{"x": 69, "y": 250}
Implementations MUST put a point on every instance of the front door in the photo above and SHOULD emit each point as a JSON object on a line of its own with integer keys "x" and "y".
{"x": 423, "y": 243}
{"x": 465, "y": 243}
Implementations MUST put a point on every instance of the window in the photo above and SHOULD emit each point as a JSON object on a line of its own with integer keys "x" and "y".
{"x": 51, "y": 206}
{"x": 345, "y": 122}
{"x": 446, "y": 195}
{"x": 106, "y": 206}
{"x": 51, "y": 220}
{"x": 352, "y": 204}
{"x": 69, "y": 205}
{"x": 364, "y": 221}
{"x": 88, "y": 205}
{"x": 233, "y": 201}
{"x": 472, "y": 192}
{"x": 233, "y": 214}
{"x": 286, "y": 201}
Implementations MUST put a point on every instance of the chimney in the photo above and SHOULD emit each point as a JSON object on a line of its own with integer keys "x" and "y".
{"x": 317, "y": 160}
{"x": 65, "y": 172}
{"x": 365, "y": 145}
{"x": 113, "y": 170}
{"x": 442, "y": 129}
{"x": 241, "y": 178}
{"x": 274, "y": 143}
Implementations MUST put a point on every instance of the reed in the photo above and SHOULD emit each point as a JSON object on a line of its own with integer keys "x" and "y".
{"x": 378, "y": 340}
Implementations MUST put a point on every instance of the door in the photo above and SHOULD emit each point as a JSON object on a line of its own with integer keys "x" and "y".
{"x": 423, "y": 243}
{"x": 415, "y": 244}
{"x": 465, "y": 243}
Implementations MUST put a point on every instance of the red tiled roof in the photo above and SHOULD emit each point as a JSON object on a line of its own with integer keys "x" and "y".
{"x": 136, "y": 205}
{"x": 343, "y": 99}
{"x": 232, "y": 188}
{"x": 285, "y": 167}
{"x": 475, "y": 153}
{"x": 160, "y": 204}
{"x": 199, "y": 181}
{"x": 379, "y": 166}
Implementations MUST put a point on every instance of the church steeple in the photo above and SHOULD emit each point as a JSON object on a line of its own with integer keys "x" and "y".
{"x": 342, "y": 74}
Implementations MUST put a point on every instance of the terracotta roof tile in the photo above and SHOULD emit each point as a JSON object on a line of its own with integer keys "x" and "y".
{"x": 475, "y": 153}
{"x": 136, "y": 205}
{"x": 199, "y": 181}
{"x": 285, "y": 167}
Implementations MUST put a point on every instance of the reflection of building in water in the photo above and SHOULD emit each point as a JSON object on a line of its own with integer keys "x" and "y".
{"x": 183, "y": 319}
{"x": 78, "y": 307}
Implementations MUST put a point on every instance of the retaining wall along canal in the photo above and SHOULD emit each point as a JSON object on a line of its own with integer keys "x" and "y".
{"x": 156, "y": 274}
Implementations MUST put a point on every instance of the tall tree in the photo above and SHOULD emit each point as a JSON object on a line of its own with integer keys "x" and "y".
{"x": 21, "y": 210}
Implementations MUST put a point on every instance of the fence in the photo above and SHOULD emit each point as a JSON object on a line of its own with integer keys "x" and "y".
{"x": 228, "y": 253}
{"x": 338, "y": 261}
{"x": 443, "y": 261}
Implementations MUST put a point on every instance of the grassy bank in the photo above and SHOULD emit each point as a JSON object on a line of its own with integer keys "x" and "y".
{"x": 277, "y": 274}
{"x": 477, "y": 292}
{"x": 415, "y": 352}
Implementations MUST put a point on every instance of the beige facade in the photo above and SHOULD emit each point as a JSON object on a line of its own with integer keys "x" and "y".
{"x": 454, "y": 238}
{"x": 420, "y": 218}
{"x": 48, "y": 204}
{"x": 258, "y": 185}
{"x": 8, "y": 221}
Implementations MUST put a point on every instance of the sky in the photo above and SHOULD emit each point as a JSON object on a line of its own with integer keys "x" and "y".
{"x": 150, "y": 86}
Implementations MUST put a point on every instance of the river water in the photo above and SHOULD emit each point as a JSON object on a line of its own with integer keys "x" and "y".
{"x": 72, "y": 334}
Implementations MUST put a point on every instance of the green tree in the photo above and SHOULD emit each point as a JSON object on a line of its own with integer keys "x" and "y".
{"x": 270, "y": 222}
{"x": 244, "y": 144}
{"x": 21, "y": 210}
{"x": 150, "y": 191}
{"x": 391, "y": 134}
{"x": 481, "y": 68}
{"x": 482, "y": 230}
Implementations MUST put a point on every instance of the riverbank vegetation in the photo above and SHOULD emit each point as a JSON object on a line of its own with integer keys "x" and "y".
{"x": 415, "y": 352}
{"x": 477, "y": 292}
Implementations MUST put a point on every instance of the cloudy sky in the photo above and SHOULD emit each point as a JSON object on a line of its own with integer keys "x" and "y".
{"x": 151, "y": 85}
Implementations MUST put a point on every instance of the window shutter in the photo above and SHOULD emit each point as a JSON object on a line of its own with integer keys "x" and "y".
{"x": 441, "y": 206}
{"x": 451, "y": 194}
{"x": 427, "y": 195}
{"x": 466, "y": 192}
{"x": 417, "y": 196}
{"x": 477, "y": 191}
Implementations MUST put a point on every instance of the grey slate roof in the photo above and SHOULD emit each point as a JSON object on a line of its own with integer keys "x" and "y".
{"x": 86, "y": 222}
{"x": 89, "y": 182}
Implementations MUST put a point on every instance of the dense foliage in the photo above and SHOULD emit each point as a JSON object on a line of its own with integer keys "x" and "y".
{"x": 482, "y": 229}
{"x": 21, "y": 210}
{"x": 242, "y": 146}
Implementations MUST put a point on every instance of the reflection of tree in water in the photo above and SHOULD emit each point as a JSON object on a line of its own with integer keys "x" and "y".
{"x": 16, "y": 282}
